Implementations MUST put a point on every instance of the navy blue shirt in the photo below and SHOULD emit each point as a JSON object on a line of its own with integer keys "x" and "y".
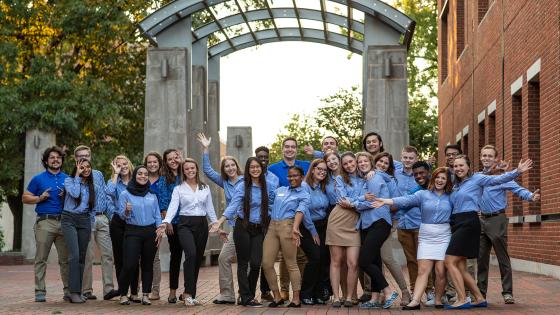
{"x": 280, "y": 169}
{"x": 41, "y": 182}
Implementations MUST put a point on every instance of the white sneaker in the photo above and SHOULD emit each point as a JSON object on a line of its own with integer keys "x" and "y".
{"x": 189, "y": 301}
{"x": 430, "y": 299}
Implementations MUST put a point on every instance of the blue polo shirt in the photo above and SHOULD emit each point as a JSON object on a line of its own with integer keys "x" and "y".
{"x": 39, "y": 183}
{"x": 280, "y": 169}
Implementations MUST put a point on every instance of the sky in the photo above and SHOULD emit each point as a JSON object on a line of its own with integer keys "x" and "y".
{"x": 263, "y": 86}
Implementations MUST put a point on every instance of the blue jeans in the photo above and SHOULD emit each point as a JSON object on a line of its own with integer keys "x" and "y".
{"x": 76, "y": 228}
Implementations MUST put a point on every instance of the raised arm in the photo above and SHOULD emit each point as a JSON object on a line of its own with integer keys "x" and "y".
{"x": 207, "y": 168}
{"x": 489, "y": 180}
{"x": 72, "y": 186}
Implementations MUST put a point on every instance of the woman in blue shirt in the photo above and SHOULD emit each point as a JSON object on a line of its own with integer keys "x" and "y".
{"x": 435, "y": 232}
{"x": 76, "y": 223}
{"x": 465, "y": 225}
{"x": 342, "y": 237}
{"x": 250, "y": 206}
{"x": 138, "y": 206}
{"x": 313, "y": 238}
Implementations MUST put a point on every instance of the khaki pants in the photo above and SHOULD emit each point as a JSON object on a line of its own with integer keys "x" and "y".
{"x": 285, "y": 276}
{"x": 225, "y": 274}
{"x": 103, "y": 239}
{"x": 279, "y": 237}
{"x": 48, "y": 232}
{"x": 156, "y": 280}
{"x": 409, "y": 243}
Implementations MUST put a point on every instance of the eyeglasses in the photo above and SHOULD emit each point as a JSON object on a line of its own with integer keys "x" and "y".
{"x": 321, "y": 170}
{"x": 452, "y": 154}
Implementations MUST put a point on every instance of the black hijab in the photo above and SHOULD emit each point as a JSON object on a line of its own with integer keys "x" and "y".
{"x": 136, "y": 189}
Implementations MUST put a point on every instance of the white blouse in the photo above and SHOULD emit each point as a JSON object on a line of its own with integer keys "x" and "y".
{"x": 191, "y": 203}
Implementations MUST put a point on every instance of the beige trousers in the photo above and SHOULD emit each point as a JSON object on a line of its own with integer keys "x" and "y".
{"x": 279, "y": 238}
{"x": 103, "y": 239}
{"x": 48, "y": 232}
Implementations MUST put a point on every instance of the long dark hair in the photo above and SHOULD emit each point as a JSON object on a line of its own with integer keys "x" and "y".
{"x": 167, "y": 172}
{"x": 391, "y": 169}
{"x": 158, "y": 158}
{"x": 381, "y": 148}
{"x": 248, "y": 182}
{"x": 343, "y": 173}
{"x": 89, "y": 182}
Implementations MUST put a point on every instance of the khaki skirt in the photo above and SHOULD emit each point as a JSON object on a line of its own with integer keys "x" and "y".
{"x": 341, "y": 229}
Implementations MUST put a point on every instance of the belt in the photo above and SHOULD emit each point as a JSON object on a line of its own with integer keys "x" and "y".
{"x": 42, "y": 217}
{"x": 493, "y": 214}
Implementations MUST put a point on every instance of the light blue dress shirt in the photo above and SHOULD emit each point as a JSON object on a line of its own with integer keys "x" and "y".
{"x": 286, "y": 201}
{"x": 330, "y": 190}
{"x": 466, "y": 195}
{"x": 101, "y": 198}
{"x": 408, "y": 218}
{"x": 76, "y": 189}
{"x": 368, "y": 215}
{"x": 434, "y": 208}
{"x": 352, "y": 191}
{"x": 317, "y": 209}
{"x": 235, "y": 207}
{"x": 494, "y": 197}
{"x": 114, "y": 190}
{"x": 145, "y": 210}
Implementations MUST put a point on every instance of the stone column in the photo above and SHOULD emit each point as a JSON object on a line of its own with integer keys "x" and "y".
{"x": 36, "y": 142}
{"x": 240, "y": 143}
{"x": 213, "y": 124}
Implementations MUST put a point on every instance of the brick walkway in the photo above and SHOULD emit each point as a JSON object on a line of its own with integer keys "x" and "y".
{"x": 534, "y": 295}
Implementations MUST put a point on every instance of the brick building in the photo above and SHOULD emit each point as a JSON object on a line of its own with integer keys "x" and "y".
{"x": 499, "y": 83}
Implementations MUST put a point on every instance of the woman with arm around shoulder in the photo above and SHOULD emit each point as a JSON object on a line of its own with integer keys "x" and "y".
{"x": 193, "y": 201}
{"x": 435, "y": 232}
{"x": 288, "y": 207}
{"x": 250, "y": 205}
{"x": 465, "y": 225}
{"x": 138, "y": 206}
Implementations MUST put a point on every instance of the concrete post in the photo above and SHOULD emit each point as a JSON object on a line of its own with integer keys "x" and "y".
{"x": 213, "y": 123}
{"x": 36, "y": 142}
{"x": 240, "y": 143}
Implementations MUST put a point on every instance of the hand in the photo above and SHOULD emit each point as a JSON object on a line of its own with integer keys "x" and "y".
{"x": 163, "y": 213}
{"x": 158, "y": 238}
{"x": 296, "y": 236}
{"x": 61, "y": 192}
{"x": 503, "y": 165}
{"x": 369, "y": 196}
{"x": 45, "y": 195}
{"x": 127, "y": 209}
{"x": 378, "y": 203}
{"x": 169, "y": 229}
{"x": 203, "y": 140}
{"x": 308, "y": 149}
{"x": 370, "y": 174}
{"x": 432, "y": 160}
{"x": 214, "y": 227}
{"x": 344, "y": 203}
{"x": 536, "y": 195}
{"x": 524, "y": 166}
{"x": 79, "y": 169}
{"x": 116, "y": 168}
{"x": 317, "y": 240}
{"x": 223, "y": 235}
{"x": 161, "y": 230}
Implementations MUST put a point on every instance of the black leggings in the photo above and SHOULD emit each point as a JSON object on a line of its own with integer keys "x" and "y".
{"x": 370, "y": 253}
{"x": 175, "y": 258}
{"x": 116, "y": 231}
{"x": 312, "y": 269}
{"x": 193, "y": 235}
{"x": 139, "y": 245}
{"x": 249, "y": 250}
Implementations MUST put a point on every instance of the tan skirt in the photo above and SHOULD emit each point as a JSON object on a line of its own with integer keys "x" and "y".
{"x": 341, "y": 229}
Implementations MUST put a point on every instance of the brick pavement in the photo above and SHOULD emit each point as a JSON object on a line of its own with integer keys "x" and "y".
{"x": 534, "y": 295}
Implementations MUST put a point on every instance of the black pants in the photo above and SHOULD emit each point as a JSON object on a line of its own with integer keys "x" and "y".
{"x": 76, "y": 229}
{"x": 370, "y": 253}
{"x": 193, "y": 235}
{"x": 312, "y": 269}
{"x": 249, "y": 250}
{"x": 323, "y": 289}
{"x": 116, "y": 230}
{"x": 139, "y": 245}
{"x": 175, "y": 258}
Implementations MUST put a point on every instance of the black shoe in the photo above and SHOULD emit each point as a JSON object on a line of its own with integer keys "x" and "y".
{"x": 276, "y": 304}
{"x": 110, "y": 295}
{"x": 216, "y": 301}
{"x": 90, "y": 296}
{"x": 348, "y": 303}
{"x": 253, "y": 303}
{"x": 320, "y": 301}
{"x": 439, "y": 306}
{"x": 411, "y": 308}
{"x": 365, "y": 297}
{"x": 172, "y": 300}
{"x": 310, "y": 301}
{"x": 294, "y": 305}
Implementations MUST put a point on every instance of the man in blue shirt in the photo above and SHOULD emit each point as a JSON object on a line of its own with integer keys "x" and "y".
{"x": 289, "y": 152}
{"x": 263, "y": 155}
{"x": 100, "y": 233}
{"x": 329, "y": 144}
{"x": 46, "y": 190}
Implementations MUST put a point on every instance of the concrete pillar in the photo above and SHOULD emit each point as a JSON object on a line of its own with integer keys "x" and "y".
{"x": 36, "y": 142}
{"x": 213, "y": 122}
{"x": 240, "y": 143}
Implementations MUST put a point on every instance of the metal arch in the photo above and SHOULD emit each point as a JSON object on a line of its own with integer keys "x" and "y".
{"x": 286, "y": 34}
{"x": 170, "y": 13}
{"x": 264, "y": 14}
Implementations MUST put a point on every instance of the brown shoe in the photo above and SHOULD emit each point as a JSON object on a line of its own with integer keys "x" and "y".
{"x": 154, "y": 297}
{"x": 406, "y": 298}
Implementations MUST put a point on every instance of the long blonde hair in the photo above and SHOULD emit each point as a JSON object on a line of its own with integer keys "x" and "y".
{"x": 130, "y": 166}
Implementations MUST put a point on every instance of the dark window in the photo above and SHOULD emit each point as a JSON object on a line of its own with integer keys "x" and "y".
{"x": 517, "y": 143}
{"x": 482, "y": 9}
{"x": 534, "y": 141}
{"x": 460, "y": 30}
{"x": 444, "y": 39}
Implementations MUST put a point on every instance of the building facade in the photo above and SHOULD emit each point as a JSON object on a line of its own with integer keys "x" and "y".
{"x": 499, "y": 83}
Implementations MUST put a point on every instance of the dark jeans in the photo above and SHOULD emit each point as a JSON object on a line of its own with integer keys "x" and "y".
{"x": 310, "y": 282}
{"x": 76, "y": 229}
{"x": 116, "y": 230}
{"x": 175, "y": 258}
{"x": 193, "y": 235}
{"x": 249, "y": 250}
{"x": 370, "y": 253}
{"x": 139, "y": 245}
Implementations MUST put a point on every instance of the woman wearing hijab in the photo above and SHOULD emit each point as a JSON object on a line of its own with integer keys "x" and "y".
{"x": 138, "y": 207}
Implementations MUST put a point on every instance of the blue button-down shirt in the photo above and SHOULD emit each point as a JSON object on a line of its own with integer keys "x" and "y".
{"x": 164, "y": 198}
{"x": 43, "y": 181}
{"x": 280, "y": 169}
{"x": 76, "y": 189}
{"x": 494, "y": 197}
{"x": 393, "y": 190}
{"x": 466, "y": 194}
{"x": 272, "y": 180}
{"x": 145, "y": 210}
{"x": 352, "y": 191}
{"x": 434, "y": 208}
{"x": 101, "y": 198}
{"x": 114, "y": 190}
{"x": 286, "y": 201}
{"x": 235, "y": 207}
{"x": 318, "y": 205}
{"x": 330, "y": 190}
{"x": 408, "y": 218}
{"x": 368, "y": 215}
{"x": 154, "y": 187}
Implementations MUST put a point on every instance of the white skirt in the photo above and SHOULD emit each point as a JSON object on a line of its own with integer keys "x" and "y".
{"x": 433, "y": 240}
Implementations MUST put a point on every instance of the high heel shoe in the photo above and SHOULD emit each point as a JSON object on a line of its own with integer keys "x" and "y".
{"x": 411, "y": 308}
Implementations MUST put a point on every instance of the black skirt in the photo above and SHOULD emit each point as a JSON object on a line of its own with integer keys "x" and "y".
{"x": 465, "y": 235}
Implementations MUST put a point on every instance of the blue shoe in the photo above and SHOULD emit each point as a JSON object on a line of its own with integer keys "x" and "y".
{"x": 369, "y": 305}
{"x": 40, "y": 297}
{"x": 465, "y": 306}
{"x": 481, "y": 304}
{"x": 389, "y": 302}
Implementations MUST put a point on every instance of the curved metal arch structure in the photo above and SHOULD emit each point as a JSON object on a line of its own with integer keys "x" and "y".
{"x": 167, "y": 16}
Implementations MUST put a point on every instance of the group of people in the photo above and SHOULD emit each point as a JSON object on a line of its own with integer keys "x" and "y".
{"x": 327, "y": 221}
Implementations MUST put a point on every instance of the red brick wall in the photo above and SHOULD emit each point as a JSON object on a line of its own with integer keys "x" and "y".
{"x": 502, "y": 39}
